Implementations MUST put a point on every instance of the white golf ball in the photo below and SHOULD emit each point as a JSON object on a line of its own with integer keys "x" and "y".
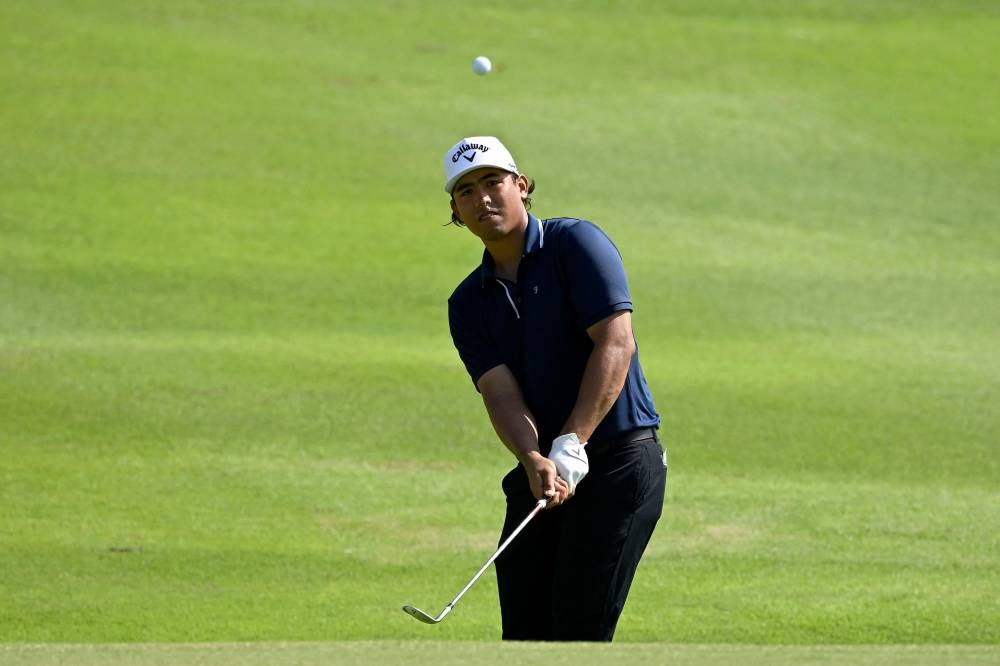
{"x": 482, "y": 65}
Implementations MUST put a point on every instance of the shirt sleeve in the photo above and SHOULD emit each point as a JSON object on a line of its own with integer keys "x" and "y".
{"x": 594, "y": 274}
{"x": 471, "y": 341}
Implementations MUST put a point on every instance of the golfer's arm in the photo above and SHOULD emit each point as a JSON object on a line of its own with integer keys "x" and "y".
{"x": 511, "y": 418}
{"x": 604, "y": 375}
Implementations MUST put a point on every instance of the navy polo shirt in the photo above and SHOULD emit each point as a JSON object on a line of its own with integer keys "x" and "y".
{"x": 570, "y": 277}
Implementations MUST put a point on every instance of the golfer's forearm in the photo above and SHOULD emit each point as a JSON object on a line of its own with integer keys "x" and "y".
{"x": 603, "y": 379}
{"x": 509, "y": 413}
{"x": 513, "y": 424}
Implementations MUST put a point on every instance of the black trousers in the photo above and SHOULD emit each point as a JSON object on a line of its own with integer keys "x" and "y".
{"x": 566, "y": 576}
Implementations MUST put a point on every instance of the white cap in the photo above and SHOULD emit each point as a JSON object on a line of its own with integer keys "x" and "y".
{"x": 475, "y": 152}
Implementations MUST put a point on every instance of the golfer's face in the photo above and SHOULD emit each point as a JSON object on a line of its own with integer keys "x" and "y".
{"x": 489, "y": 202}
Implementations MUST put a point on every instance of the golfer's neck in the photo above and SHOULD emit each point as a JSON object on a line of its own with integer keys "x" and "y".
{"x": 507, "y": 251}
{"x": 506, "y": 256}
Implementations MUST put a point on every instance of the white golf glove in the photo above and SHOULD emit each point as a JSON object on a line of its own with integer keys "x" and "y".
{"x": 570, "y": 458}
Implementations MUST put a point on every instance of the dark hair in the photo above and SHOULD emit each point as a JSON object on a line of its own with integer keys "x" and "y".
{"x": 527, "y": 202}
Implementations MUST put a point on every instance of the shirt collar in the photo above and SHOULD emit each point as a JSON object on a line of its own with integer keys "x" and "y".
{"x": 534, "y": 239}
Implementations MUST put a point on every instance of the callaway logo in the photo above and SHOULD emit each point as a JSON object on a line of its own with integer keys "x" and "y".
{"x": 466, "y": 147}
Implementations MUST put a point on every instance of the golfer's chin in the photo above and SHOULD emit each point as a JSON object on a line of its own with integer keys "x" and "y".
{"x": 490, "y": 227}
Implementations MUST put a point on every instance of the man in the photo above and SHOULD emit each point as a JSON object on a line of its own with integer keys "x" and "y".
{"x": 544, "y": 328}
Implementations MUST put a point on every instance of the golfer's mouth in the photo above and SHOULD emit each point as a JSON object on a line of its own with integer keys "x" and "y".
{"x": 488, "y": 214}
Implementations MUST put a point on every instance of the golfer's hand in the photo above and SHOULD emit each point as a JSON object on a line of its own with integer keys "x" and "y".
{"x": 570, "y": 459}
{"x": 543, "y": 476}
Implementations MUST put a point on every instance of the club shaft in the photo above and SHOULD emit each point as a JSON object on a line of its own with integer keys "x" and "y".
{"x": 506, "y": 542}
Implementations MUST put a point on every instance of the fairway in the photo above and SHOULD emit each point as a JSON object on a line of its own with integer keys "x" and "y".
{"x": 457, "y": 653}
{"x": 234, "y": 429}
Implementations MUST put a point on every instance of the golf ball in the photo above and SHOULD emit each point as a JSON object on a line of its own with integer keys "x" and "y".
{"x": 482, "y": 65}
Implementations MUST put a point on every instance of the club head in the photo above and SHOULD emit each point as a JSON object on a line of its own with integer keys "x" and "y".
{"x": 418, "y": 614}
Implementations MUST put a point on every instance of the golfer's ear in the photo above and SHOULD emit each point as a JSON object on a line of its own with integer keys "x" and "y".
{"x": 523, "y": 184}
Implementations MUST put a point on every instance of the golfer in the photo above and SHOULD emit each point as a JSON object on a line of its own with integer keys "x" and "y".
{"x": 544, "y": 328}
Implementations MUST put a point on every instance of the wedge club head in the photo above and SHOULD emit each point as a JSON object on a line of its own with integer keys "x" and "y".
{"x": 418, "y": 614}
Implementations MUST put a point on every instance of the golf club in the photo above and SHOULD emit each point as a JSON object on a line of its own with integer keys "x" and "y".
{"x": 429, "y": 619}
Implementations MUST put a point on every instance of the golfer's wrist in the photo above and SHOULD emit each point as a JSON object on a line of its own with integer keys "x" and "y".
{"x": 530, "y": 458}
{"x": 570, "y": 438}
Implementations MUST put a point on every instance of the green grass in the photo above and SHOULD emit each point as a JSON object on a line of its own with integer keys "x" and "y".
{"x": 381, "y": 653}
{"x": 229, "y": 406}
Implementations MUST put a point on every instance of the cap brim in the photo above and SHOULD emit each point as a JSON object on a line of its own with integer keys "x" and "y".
{"x": 449, "y": 187}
